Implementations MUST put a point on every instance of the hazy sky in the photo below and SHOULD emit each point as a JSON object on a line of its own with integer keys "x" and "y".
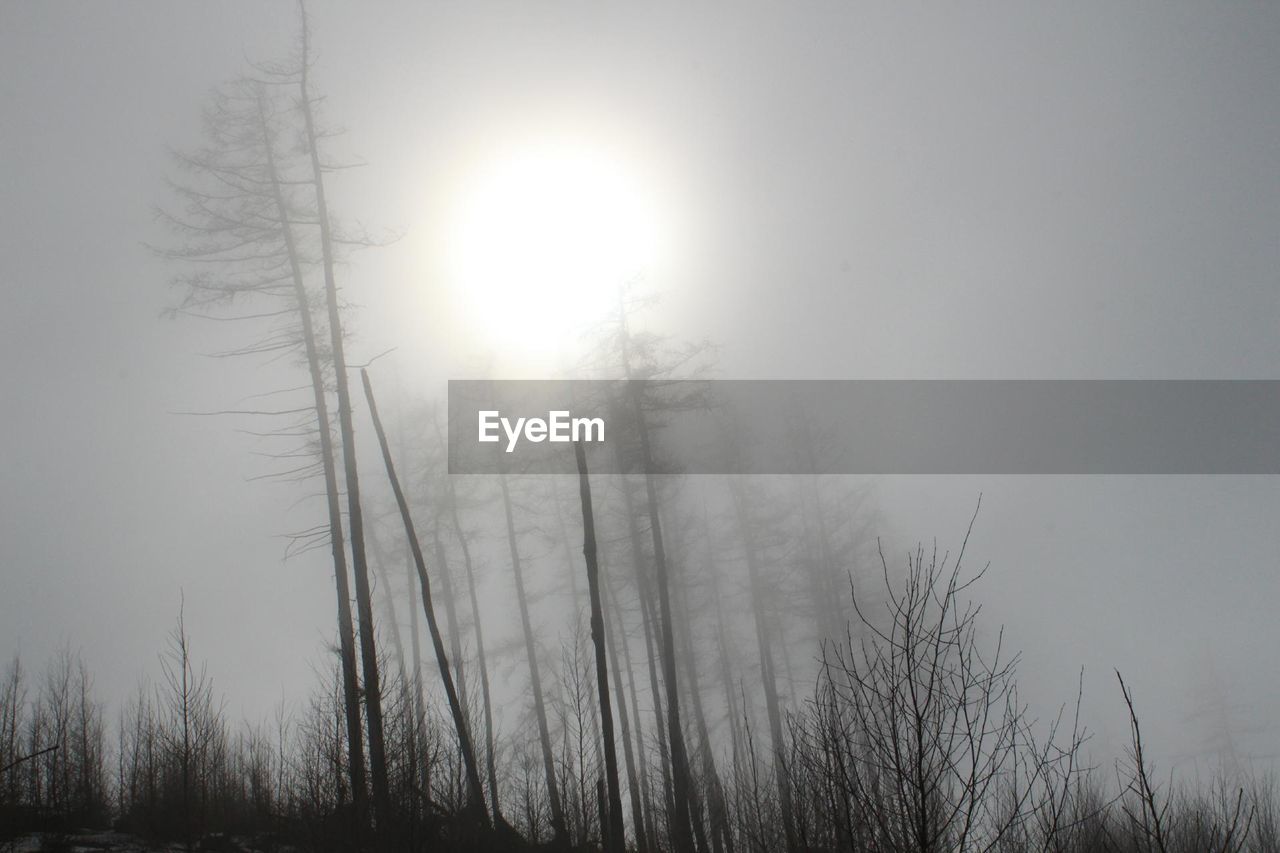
{"x": 844, "y": 190}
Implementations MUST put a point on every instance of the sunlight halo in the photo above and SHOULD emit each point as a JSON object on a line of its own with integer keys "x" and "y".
{"x": 541, "y": 240}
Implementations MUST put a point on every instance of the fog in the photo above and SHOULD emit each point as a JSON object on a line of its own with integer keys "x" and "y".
{"x": 836, "y": 191}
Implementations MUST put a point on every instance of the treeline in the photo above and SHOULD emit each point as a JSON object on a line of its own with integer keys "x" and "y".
{"x": 912, "y": 739}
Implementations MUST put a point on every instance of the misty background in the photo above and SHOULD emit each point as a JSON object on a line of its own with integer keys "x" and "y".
{"x": 851, "y": 192}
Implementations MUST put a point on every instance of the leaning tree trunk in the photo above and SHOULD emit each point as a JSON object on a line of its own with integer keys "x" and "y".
{"x": 355, "y": 518}
{"x": 491, "y": 761}
{"x": 475, "y": 791}
{"x": 346, "y": 629}
{"x": 451, "y": 614}
{"x": 615, "y": 840}
{"x": 408, "y": 685}
{"x": 419, "y": 697}
{"x": 415, "y": 645}
{"x": 481, "y": 659}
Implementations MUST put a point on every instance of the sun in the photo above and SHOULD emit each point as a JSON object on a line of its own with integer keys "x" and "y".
{"x": 543, "y": 238}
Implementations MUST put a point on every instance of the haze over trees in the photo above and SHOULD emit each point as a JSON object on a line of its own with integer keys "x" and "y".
{"x": 690, "y": 664}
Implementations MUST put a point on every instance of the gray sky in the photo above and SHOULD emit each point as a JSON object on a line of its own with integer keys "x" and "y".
{"x": 849, "y": 190}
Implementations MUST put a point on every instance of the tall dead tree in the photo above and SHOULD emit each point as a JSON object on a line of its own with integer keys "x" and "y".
{"x": 451, "y": 614}
{"x": 717, "y": 815}
{"x": 614, "y": 831}
{"x": 415, "y": 644}
{"x": 355, "y": 515}
{"x": 624, "y": 723}
{"x": 764, "y": 641}
{"x": 481, "y": 658}
{"x": 324, "y": 430}
{"x": 836, "y": 521}
{"x": 637, "y": 767}
{"x": 554, "y": 498}
{"x": 725, "y": 666}
{"x": 475, "y": 793}
{"x": 682, "y": 829}
{"x": 242, "y": 222}
{"x": 450, "y": 501}
{"x": 558, "y": 825}
{"x": 640, "y": 566}
{"x": 419, "y": 695}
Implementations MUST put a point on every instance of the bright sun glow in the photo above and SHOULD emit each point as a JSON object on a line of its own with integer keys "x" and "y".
{"x": 544, "y": 238}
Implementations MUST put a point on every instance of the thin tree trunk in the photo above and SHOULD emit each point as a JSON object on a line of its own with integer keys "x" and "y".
{"x": 726, "y": 674}
{"x": 415, "y": 641}
{"x": 475, "y": 791}
{"x": 615, "y": 839}
{"x": 346, "y": 628}
{"x": 380, "y": 566}
{"x": 389, "y": 608}
{"x": 645, "y": 597}
{"x": 355, "y": 517}
{"x": 682, "y": 835}
{"x": 652, "y": 655}
{"x": 415, "y": 644}
{"x": 593, "y": 719}
{"x": 379, "y": 563}
{"x": 490, "y": 748}
{"x": 737, "y": 739}
{"x": 822, "y": 597}
{"x": 830, "y": 619}
{"x": 731, "y": 703}
{"x": 451, "y": 613}
{"x": 715, "y": 798}
{"x": 633, "y": 778}
{"x": 491, "y": 761}
{"x": 681, "y": 790}
{"x": 419, "y": 697}
{"x": 558, "y": 826}
{"x": 642, "y": 761}
{"x": 575, "y": 594}
{"x": 784, "y": 651}
{"x": 767, "y": 676}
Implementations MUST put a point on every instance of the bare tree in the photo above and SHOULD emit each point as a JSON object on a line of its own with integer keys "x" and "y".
{"x": 644, "y": 361}
{"x": 934, "y": 750}
{"x": 481, "y": 657}
{"x": 447, "y": 503}
{"x": 191, "y": 732}
{"x": 13, "y": 703}
{"x": 747, "y": 532}
{"x": 614, "y": 841}
{"x": 558, "y": 825}
{"x": 475, "y": 793}
{"x": 242, "y": 227}
{"x": 355, "y": 515}
{"x": 637, "y": 769}
{"x": 1155, "y": 826}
